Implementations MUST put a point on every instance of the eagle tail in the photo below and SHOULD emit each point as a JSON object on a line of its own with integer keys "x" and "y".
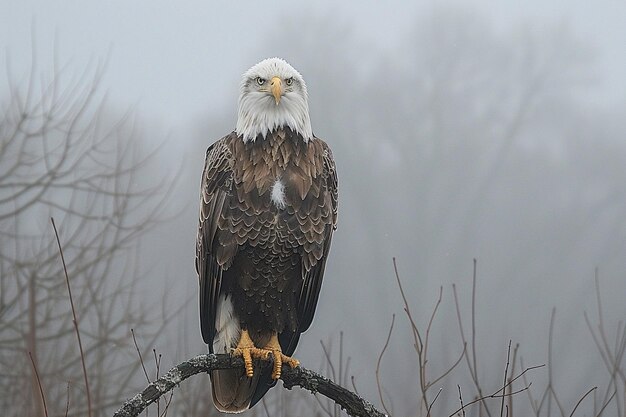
{"x": 232, "y": 390}
{"x": 264, "y": 384}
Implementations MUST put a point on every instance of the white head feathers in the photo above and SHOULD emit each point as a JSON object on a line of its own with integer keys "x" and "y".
{"x": 272, "y": 95}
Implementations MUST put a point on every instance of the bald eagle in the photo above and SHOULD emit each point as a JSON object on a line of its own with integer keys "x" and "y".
{"x": 268, "y": 209}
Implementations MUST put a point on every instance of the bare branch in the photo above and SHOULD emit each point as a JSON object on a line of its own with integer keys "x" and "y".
{"x": 606, "y": 404}
{"x": 309, "y": 380}
{"x": 380, "y": 358}
{"x": 75, "y": 320}
{"x": 506, "y": 371}
{"x": 581, "y": 400}
{"x": 497, "y": 394}
{"x": 143, "y": 366}
{"x": 43, "y": 397}
{"x": 461, "y": 401}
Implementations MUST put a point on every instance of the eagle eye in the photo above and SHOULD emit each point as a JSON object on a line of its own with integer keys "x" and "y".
{"x": 260, "y": 80}
{"x": 289, "y": 81}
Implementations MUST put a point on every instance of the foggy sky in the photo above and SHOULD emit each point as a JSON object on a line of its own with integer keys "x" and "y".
{"x": 179, "y": 66}
{"x": 176, "y": 60}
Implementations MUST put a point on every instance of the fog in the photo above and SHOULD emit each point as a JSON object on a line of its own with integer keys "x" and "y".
{"x": 461, "y": 132}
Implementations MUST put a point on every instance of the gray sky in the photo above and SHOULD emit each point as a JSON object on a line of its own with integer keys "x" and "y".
{"x": 179, "y": 64}
{"x": 177, "y": 60}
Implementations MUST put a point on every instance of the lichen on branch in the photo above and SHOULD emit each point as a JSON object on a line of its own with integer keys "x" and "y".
{"x": 304, "y": 378}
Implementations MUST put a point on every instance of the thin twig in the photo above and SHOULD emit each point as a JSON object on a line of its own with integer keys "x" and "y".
{"x": 581, "y": 400}
{"x": 550, "y": 377}
{"x": 612, "y": 357}
{"x": 416, "y": 335}
{"x": 380, "y": 358}
{"x": 418, "y": 343}
{"x": 510, "y": 405}
{"x": 340, "y": 358}
{"x": 75, "y": 321}
{"x": 423, "y": 355}
{"x": 157, "y": 363}
{"x": 356, "y": 391}
{"x": 479, "y": 399}
{"x": 506, "y": 370}
{"x": 531, "y": 368}
{"x": 132, "y": 331}
{"x": 433, "y": 402}
{"x": 497, "y": 394}
{"x": 67, "y": 401}
{"x": 471, "y": 363}
{"x": 461, "y": 400}
{"x": 167, "y": 404}
{"x": 474, "y": 361}
{"x": 450, "y": 369}
{"x": 606, "y": 404}
{"x": 329, "y": 360}
{"x": 474, "y": 369}
{"x": 43, "y": 397}
{"x": 531, "y": 399}
{"x": 430, "y": 322}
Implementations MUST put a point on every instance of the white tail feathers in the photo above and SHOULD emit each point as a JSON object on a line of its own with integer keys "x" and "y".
{"x": 227, "y": 329}
{"x": 232, "y": 389}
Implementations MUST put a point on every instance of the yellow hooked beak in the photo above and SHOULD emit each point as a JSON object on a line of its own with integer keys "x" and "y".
{"x": 276, "y": 85}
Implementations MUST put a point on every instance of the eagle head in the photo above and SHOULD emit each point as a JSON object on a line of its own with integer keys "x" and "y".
{"x": 272, "y": 95}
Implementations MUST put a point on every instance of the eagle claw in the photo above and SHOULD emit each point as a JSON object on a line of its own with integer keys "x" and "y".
{"x": 279, "y": 360}
{"x": 274, "y": 347}
{"x": 246, "y": 349}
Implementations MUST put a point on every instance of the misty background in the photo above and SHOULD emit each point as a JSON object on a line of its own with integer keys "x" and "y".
{"x": 460, "y": 131}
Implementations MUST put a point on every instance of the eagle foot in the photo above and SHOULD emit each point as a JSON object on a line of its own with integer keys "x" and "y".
{"x": 279, "y": 360}
{"x": 246, "y": 349}
{"x": 273, "y": 346}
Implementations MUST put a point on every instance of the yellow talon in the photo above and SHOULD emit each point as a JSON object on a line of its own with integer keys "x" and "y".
{"x": 279, "y": 358}
{"x": 278, "y": 364}
{"x": 246, "y": 349}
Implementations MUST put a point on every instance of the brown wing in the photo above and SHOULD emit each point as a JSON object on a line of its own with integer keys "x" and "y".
{"x": 321, "y": 219}
{"x": 212, "y": 259}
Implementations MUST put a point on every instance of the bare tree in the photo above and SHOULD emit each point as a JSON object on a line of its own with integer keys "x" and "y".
{"x": 62, "y": 154}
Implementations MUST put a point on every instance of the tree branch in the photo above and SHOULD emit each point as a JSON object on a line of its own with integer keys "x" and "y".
{"x": 309, "y": 380}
